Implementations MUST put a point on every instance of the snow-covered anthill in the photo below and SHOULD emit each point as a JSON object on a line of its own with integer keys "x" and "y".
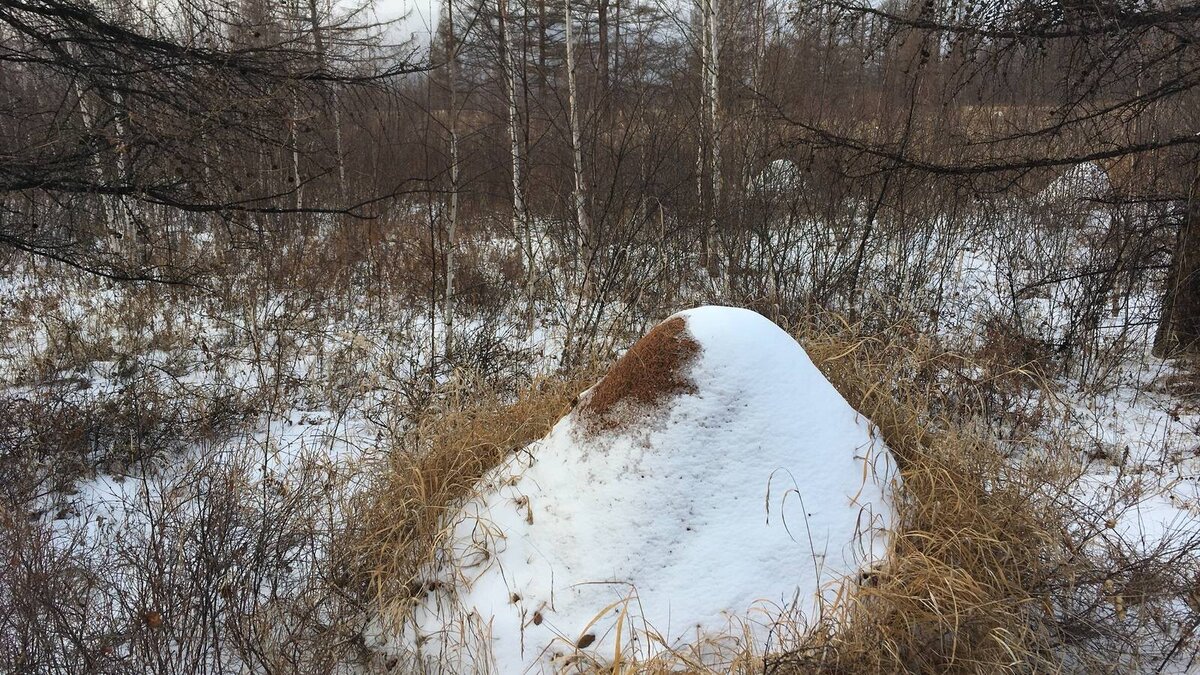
{"x": 711, "y": 483}
{"x": 1084, "y": 181}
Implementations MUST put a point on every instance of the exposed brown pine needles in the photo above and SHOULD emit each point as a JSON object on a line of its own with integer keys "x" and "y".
{"x": 653, "y": 370}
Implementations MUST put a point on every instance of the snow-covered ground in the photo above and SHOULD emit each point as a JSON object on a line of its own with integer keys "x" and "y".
{"x": 302, "y": 391}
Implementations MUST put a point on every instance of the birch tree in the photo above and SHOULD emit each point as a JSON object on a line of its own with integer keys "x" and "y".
{"x": 709, "y": 159}
{"x": 578, "y": 197}
{"x": 520, "y": 217}
{"x": 451, "y": 46}
{"x": 317, "y": 30}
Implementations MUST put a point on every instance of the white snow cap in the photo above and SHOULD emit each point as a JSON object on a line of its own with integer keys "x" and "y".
{"x": 1087, "y": 180}
{"x": 712, "y": 483}
{"x": 781, "y": 175}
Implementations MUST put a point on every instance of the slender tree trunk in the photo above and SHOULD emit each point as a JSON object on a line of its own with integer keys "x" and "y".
{"x": 126, "y": 217}
{"x": 294, "y": 141}
{"x": 581, "y": 214}
{"x": 710, "y": 161}
{"x": 520, "y": 217}
{"x": 714, "y": 102}
{"x": 337, "y": 140}
{"x": 543, "y": 81}
{"x": 1179, "y": 329}
{"x": 452, "y": 231}
{"x": 616, "y": 48}
{"x": 314, "y": 17}
{"x": 705, "y": 136}
{"x": 602, "y": 28}
{"x": 760, "y": 48}
{"x": 109, "y": 209}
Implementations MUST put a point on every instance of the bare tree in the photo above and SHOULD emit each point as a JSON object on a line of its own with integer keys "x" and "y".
{"x": 451, "y": 47}
{"x": 114, "y": 113}
{"x": 1179, "y": 330}
{"x": 520, "y": 215}
{"x": 578, "y": 196}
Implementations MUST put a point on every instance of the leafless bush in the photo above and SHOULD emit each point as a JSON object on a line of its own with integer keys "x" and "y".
{"x": 225, "y": 563}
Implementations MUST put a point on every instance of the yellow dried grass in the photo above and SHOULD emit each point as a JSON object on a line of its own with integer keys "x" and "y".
{"x": 433, "y": 466}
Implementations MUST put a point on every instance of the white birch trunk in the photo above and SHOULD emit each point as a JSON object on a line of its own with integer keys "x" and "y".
{"x": 714, "y": 124}
{"x": 109, "y": 210}
{"x": 452, "y": 231}
{"x": 127, "y": 224}
{"x": 293, "y": 135}
{"x": 714, "y": 58}
{"x": 294, "y": 140}
{"x": 585, "y": 227}
{"x": 314, "y": 17}
{"x": 519, "y": 215}
{"x": 702, "y": 146}
{"x": 337, "y": 140}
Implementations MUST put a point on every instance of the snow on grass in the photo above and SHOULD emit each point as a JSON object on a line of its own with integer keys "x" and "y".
{"x": 1141, "y": 451}
{"x": 750, "y": 493}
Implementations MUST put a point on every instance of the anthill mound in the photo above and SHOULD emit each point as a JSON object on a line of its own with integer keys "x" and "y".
{"x": 748, "y": 501}
{"x": 653, "y": 371}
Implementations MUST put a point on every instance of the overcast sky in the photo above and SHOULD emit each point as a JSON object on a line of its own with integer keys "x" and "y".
{"x": 420, "y": 21}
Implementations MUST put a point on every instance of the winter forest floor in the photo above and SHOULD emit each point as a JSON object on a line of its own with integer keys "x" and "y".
{"x": 247, "y": 474}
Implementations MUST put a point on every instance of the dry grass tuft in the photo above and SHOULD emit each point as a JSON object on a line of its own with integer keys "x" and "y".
{"x": 994, "y": 566}
{"x": 433, "y": 468}
{"x": 650, "y": 372}
{"x": 1184, "y": 382}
